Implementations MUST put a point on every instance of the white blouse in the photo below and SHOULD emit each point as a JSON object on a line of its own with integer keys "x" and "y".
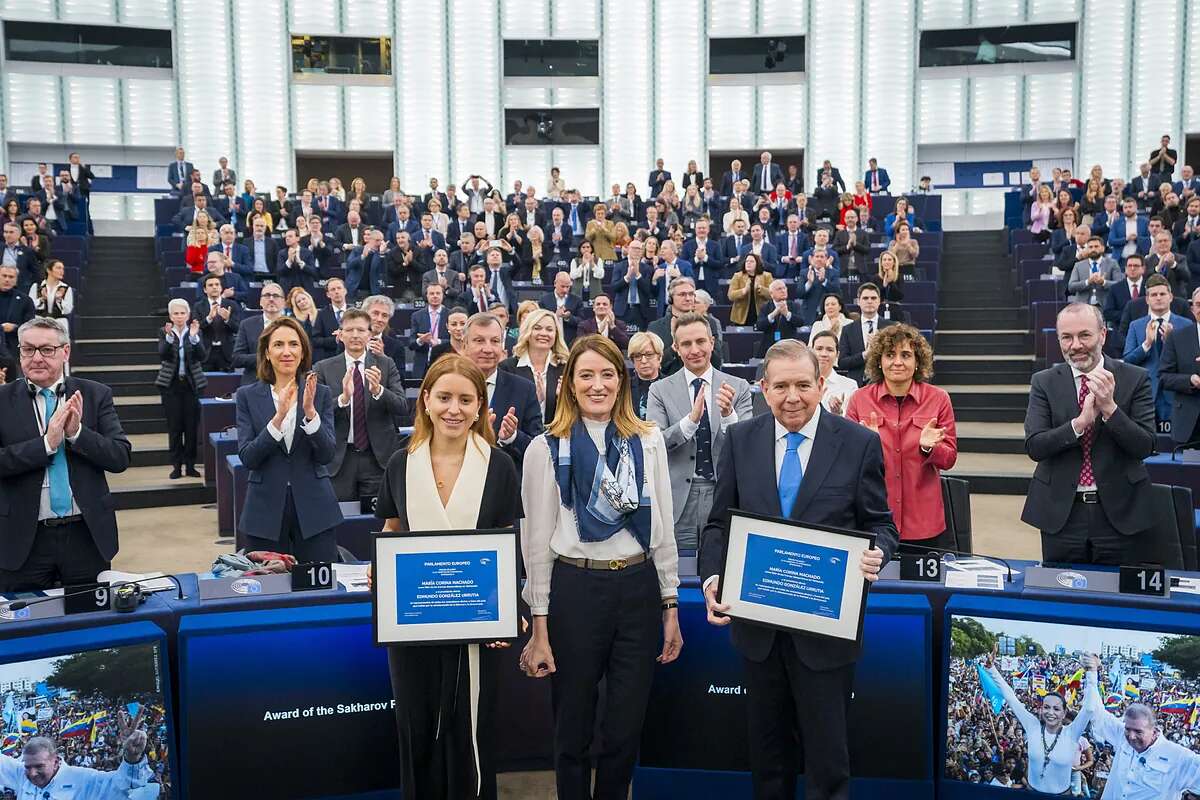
{"x": 822, "y": 324}
{"x": 549, "y": 529}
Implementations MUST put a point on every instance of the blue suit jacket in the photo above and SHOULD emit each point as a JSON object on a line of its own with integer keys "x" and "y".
{"x": 619, "y": 288}
{"x": 1148, "y": 359}
{"x": 714, "y": 267}
{"x": 513, "y": 391}
{"x": 239, "y": 254}
{"x": 1116, "y": 236}
{"x": 811, "y": 297}
{"x": 770, "y": 255}
{"x": 272, "y": 468}
{"x": 173, "y": 176}
{"x": 884, "y": 180}
{"x": 421, "y": 324}
{"x": 843, "y": 487}
{"x": 660, "y": 288}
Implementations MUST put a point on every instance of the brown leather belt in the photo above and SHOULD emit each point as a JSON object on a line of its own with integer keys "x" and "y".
{"x": 55, "y": 522}
{"x": 606, "y": 565}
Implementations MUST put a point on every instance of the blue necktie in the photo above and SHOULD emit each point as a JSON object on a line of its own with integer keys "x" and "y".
{"x": 790, "y": 474}
{"x": 60, "y": 480}
{"x": 704, "y": 461}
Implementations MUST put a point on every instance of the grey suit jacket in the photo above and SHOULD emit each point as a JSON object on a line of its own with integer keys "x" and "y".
{"x": 1077, "y": 284}
{"x": 381, "y": 413}
{"x": 669, "y": 402}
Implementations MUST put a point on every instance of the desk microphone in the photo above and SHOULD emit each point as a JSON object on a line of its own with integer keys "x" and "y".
{"x": 17, "y": 605}
{"x": 1008, "y": 578}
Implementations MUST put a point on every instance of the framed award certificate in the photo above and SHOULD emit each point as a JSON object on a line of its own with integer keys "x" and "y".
{"x": 445, "y": 587}
{"x": 795, "y": 576}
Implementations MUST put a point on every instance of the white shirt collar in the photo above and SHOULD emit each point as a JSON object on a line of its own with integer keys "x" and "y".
{"x": 809, "y": 429}
{"x": 707, "y": 377}
{"x": 351, "y": 359}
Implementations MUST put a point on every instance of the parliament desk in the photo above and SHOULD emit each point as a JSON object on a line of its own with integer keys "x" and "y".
{"x": 235, "y": 492}
{"x": 215, "y": 415}
{"x": 1174, "y": 471}
{"x": 221, "y": 443}
{"x": 222, "y": 384}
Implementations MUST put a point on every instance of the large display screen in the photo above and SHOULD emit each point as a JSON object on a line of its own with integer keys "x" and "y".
{"x": 1022, "y": 712}
{"x": 96, "y": 720}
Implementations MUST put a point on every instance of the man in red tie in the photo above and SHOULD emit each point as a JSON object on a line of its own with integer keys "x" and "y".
{"x": 1089, "y": 425}
{"x": 481, "y": 296}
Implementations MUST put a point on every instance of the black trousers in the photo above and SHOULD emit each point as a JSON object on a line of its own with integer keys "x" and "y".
{"x": 359, "y": 476}
{"x": 217, "y": 361}
{"x": 322, "y": 547}
{"x": 602, "y": 625}
{"x": 943, "y": 541}
{"x": 431, "y": 685}
{"x": 182, "y": 407}
{"x": 62, "y": 554}
{"x": 1089, "y": 538}
{"x": 792, "y": 707}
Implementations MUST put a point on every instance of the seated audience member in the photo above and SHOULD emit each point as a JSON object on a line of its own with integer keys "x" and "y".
{"x": 889, "y": 281}
{"x": 1092, "y": 278}
{"x": 539, "y": 356}
{"x": 749, "y": 289}
{"x": 779, "y": 318}
{"x": 819, "y": 280}
{"x": 566, "y": 307}
{"x": 16, "y": 308}
{"x": 180, "y": 382}
{"x": 250, "y": 328}
{"x": 369, "y": 398}
{"x": 1163, "y": 261}
{"x": 833, "y": 318}
{"x": 302, "y": 308}
{"x": 645, "y": 352}
{"x": 915, "y": 423}
{"x": 905, "y": 248}
{"x": 1147, "y": 337}
{"x": 1179, "y": 377}
{"x": 856, "y": 337}
{"x": 219, "y": 317}
{"x": 681, "y": 300}
{"x": 838, "y": 388}
{"x": 383, "y": 341}
{"x": 456, "y": 325}
{"x": 602, "y": 321}
{"x": 1130, "y": 233}
{"x": 853, "y": 246}
{"x": 1120, "y": 293}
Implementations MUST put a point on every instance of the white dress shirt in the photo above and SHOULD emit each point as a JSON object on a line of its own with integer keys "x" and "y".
{"x": 39, "y": 402}
{"x": 351, "y": 363}
{"x": 288, "y": 432}
{"x": 524, "y": 361}
{"x": 686, "y": 426}
{"x": 838, "y": 386}
{"x": 500, "y": 412}
{"x": 549, "y": 529}
{"x": 874, "y": 329}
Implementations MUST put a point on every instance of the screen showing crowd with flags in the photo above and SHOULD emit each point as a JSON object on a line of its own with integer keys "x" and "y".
{"x": 985, "y": 742}
{"x": 86, "y": 703}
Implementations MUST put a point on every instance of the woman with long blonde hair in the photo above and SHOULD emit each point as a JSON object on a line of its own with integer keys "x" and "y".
{"x": 599, "y": 549}
{"x": 448, "y": 476}
{"x": 539, "y": 355}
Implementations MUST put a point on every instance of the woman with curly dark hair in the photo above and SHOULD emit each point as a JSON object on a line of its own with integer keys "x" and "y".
{"x": 915, "y": 422}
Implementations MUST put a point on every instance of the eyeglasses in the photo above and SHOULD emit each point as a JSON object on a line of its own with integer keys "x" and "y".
{"x": 46, "y": 351}
{"x": 276, "y": 295}
{"x": 643, "y": 356}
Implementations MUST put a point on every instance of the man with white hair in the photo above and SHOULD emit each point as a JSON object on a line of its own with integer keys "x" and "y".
{"x": 41, "y": 773}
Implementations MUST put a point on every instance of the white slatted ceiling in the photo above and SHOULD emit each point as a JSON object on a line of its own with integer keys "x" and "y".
{"x": 888, "y": 89}
{"x": 316, "y": 118}
{"x": 1104, "y": 68}
{"x": 576, "y": 18}
{"x": 1050, "y": 106}
{"x": 264, "y": 59}
{"x": 149, "y": 113}
{"x": 627, "y": 92}
{"x": 986, "y": 201}
{"x": 206, "y": 110}
{"x": 576, "y": 98}
{"x": 994, "y": 115}
{"x": 421, "y": 85}
{"x": 580, "y": 168}
{"x": 679, "y": 134}
{"x": 782, "y": 116}
{"x": 151, "y": 13}
{"x": 140, "y": 206}
{"x": 476, "y": 124}
{"x": 91, "y": 113}
{"x": 312, "y": 16}
{"x": 367, "y": 18}
{"x": 998, "y": 12}
{"x": 942, "y": 110}
{"x": 102, "y": 205}
{"x": 525, "y": 19}
{"x": 526, "y": 97}
{"x": 730, "y": 110}
{"x": 32, "y": 108}
{"x": 782, "y": 17}
{"x": 1191, "y": 111}
{"x": 833, "y": 125}
{"x": 1156, "y": 77}
{"x": 1053, "y": 10}
{"x": 943, "y": 13}
{"x": 730, "y": 18}
{"x": 370, "y": 123}
{"x": 87, "y": 11}
{"x": 27, "y": 9}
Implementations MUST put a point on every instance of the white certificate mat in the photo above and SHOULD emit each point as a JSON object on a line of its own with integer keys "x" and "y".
{"x": 795, "y": 576}
{"x": 445, "y": 587}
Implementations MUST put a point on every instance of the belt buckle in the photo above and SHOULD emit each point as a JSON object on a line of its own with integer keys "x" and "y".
{"x": 617, "y": 563}
{"x": 1090, "y": 498}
